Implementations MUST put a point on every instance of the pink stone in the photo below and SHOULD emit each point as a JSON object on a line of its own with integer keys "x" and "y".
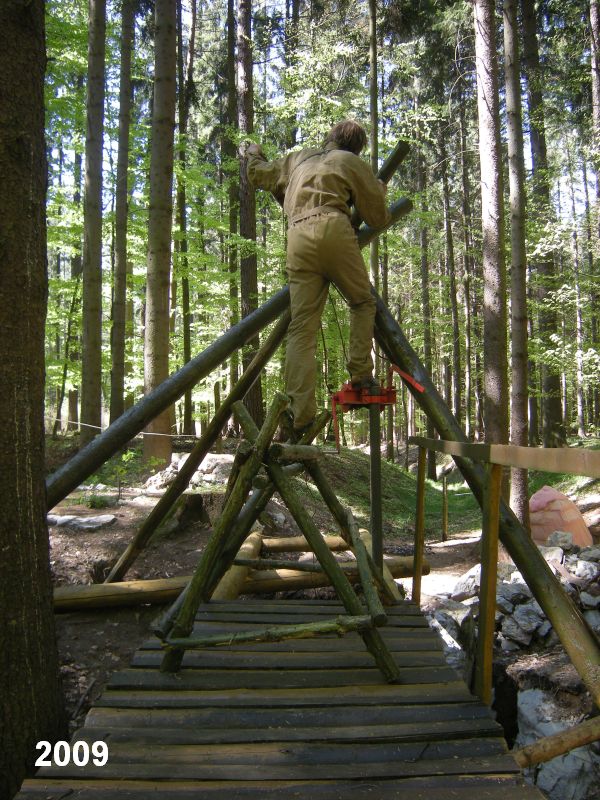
{"x": 550, "y": 511}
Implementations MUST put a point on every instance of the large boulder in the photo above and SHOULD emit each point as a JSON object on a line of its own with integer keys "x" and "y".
{"x": 551, "y": 510}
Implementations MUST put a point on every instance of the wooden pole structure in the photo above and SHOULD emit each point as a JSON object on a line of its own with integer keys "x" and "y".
{"x": 195, "y": 458}
{"x": 579, "y": 641}
{"x": 367, "y": 579}
{"x": 298, "y": 544}
{"x": 372, "y": 638}
{"x": 482, "y": 680}
{"x": 444, "y": 508}
{"x": 419, "y": 527}
{"x": 214, "y": 562}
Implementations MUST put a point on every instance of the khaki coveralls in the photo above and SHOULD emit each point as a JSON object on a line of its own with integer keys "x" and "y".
{"x": 317, "y": 189}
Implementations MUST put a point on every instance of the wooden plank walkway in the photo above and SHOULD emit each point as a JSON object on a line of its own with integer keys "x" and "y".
{"x": 299, "y": 719}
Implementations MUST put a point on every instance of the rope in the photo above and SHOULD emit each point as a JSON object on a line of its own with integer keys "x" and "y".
{"x": 98, "y": 428}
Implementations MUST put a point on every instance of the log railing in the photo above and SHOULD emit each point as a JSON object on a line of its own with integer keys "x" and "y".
{"x": 577, "y": 461}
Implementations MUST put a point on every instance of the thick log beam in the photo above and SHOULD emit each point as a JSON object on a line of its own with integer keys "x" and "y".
{"x": 578, "y": 640}
{"x": 110, "y": 441}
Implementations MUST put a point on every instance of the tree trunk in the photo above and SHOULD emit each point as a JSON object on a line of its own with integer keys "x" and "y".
{"x": 553, "y": 429}
{"x": 117, "y": 341}
{"x": 374, "y": 113}
{"x": 457, "y": 376}
{"x": 232, "y": 173}
{"x": 519, "y": 490}
{"x": 91, "y": 368}
{"x": 467, "y": 268}
{"x": 248, "y": 266}
{"x": 185, "y": 81}
{"x": 425, "y": 299}
{"x": 595, "y": 51}
{"x": 494, "y": 274}
{"x": 580, "y": 403}
{"x": 156, "y": 344}
{"x": 29, "y": 675}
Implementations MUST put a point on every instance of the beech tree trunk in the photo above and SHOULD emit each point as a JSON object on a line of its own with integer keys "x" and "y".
{"x": 91, "y": 367}
{"x": 30, "y": 692}
{"x": 494, "y": 274}
{"x": 595, "y": 60}
{"x": 425, "y": 299}
{"x": 117, "y": 340}
{"x": 185, "y": 83}
{"x": 248, "y": 264}
{"x": 519, "y": 490}
{"x": 156, "y": 344}
{"x": 552, "y": 422}
{"x": 232, "y": 175}
{"x": 467, "y": 268}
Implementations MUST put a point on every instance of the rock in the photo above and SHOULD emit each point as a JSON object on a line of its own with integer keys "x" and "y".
{"x": 552, "y": 553}
{"x": 513, "y": 592}
{"x": 589, "y": 503}
{"x": 452, "y": 616}
{"x": 453, "y": 652}
{"x": 505, "y": 570}
{"x": 82, "y": 523}
{"x": 573, "y": 775}
{"x": 503, "y": 604}
{"x": 512, "y": 630}
{"x": 528, "y": 618}
{"x": 587, "y": 570}
{"x": 562, "y": 539}
{"x": 544, "y": 629}
{"x": 589, "y": 601}
{"x": 551, "y": 510}
{"x": 507, "y": 645}
{"x": 590, "y": 554}
{"x": 468, "y": 584}
{"x": 593, "y": 620}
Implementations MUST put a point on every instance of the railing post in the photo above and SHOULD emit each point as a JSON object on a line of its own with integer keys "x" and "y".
{"x": 444, "y": 508}
{"x": 487, "y": 593}
{"x": 419, "y": 527}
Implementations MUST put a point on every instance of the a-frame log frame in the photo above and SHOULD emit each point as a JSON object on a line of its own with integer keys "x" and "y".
{"x": 579, "y": 641}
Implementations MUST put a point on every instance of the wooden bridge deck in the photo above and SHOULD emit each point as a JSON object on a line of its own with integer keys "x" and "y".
{"x": 298, "y": 719}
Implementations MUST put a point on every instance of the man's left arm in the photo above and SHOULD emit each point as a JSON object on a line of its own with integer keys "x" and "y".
{"x": 267, "y": 175}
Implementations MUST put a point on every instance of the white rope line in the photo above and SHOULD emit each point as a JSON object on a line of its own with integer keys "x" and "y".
{"x": 98, "y": 428}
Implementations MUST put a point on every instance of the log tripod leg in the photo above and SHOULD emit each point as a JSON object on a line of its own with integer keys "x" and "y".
{"x": 213, "y": 558}
{"x": 372, "y": 638}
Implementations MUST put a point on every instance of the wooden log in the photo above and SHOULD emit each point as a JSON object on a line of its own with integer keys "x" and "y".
{"x": 195, "y": 458}
{"x": 276, "y": 633}
{"x": 387, "y": 572}
{"x": 242, "y": 454}
{"x": 339, "y": 513}
{"x": 372, "y": 638}
{"x": 231, "y": 583}
{"x": 294, "y": 452}
{"x": 577, "y": 638}
{"x": 129, "y": 424}
{"x": 278, "y": 563}
{"x": 484, "y": 657}
{"x": 367, "y": 579}
{"x": 165, "y": 590}
{"x": 298, "y": 544}
{"x": 558, "y": 744}
{"x": 214, "y": 562}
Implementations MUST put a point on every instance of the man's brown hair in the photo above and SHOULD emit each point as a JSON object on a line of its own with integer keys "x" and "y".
{"x": 348, "y": 135}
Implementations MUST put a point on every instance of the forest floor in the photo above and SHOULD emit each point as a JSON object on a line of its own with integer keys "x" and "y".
{"x": 95, "y": 643}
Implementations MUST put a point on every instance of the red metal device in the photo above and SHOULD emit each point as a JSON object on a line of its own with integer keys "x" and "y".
{"x": 349, "y": 398}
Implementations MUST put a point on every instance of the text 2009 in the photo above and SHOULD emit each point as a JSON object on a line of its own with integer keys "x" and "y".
{"x": 78, "y": 753}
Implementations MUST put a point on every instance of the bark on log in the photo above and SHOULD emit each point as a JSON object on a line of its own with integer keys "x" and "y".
{"x": 298, "y": 544}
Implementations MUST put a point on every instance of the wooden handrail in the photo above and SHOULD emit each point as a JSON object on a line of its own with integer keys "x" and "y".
{"x": 575, "y": 460}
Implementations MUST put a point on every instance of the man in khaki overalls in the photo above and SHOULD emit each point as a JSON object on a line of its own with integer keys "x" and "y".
{"x": 317, "y": 189}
